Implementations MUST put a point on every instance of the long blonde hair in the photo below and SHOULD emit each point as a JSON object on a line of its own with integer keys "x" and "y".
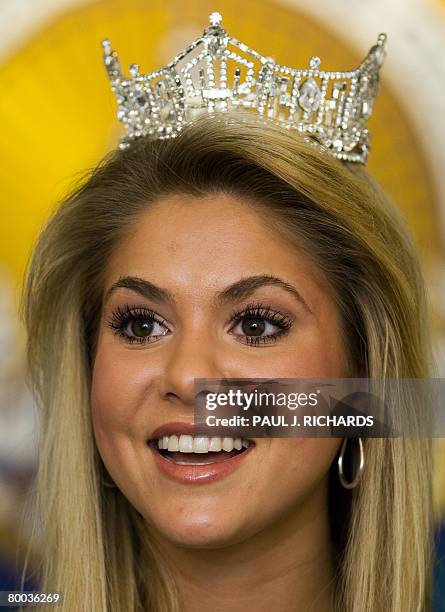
{"x": 95, "y": 548}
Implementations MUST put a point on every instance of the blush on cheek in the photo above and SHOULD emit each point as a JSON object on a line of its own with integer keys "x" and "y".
{"x": 106, "y": 413}
{"x": 109, "y": 417}
{"x": 111, "y": 399}
{"x": 118, "y": 404}
{"x": 307, "y": 460}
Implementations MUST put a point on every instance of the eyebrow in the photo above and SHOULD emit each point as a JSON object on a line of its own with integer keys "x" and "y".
{"x": 246, "y": 286}
{"x": 239, "y": 290}
{"x": 143, "y": 287}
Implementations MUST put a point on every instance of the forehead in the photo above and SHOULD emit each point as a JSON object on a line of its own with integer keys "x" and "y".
{"x": 186, "y": 243}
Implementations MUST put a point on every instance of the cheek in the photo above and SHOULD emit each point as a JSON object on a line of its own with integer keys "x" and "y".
{"x": 312, "y": 354}
{"x": 115, "y": 396}
{"x": 297, "y": 466}
{"x": 320, "y": 346}
{"x": 118, "y": 420}
{"x": 287, "y": 483}
{"x": 320, "y": 351}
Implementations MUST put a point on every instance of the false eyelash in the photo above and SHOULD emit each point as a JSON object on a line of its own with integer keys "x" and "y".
{"x": 121, "y": 317}
{"x": 260, "y": 311}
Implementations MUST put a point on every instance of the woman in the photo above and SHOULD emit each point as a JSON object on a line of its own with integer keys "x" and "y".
{"x": 236, "y": 249}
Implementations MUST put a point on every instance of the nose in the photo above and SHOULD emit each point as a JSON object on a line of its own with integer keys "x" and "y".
{"x": 190, "y": 358}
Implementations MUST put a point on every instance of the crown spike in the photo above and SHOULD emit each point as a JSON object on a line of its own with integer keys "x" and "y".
{"x": 134, "y": 70}
{"x": 106, "y": 44}
{"x": 331, "y": 108}
{"x": 215, "y": 19}
{"x": 314, "y": 62}
{"x": 111, "y": 61}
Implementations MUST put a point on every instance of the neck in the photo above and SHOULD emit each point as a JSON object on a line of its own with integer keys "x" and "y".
{"x": 287, "y": 566}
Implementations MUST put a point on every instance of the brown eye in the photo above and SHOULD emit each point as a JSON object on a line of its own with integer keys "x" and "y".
{"x": 135, "y": 324}
{"x": 253, "y": 326}
{"x": 258, "y": 325}
{"x": 142, "y": 328}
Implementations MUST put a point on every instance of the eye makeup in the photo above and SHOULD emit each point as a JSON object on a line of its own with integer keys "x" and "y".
{"x": 257, "y": 323}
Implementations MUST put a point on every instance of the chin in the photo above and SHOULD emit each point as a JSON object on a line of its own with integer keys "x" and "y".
{"x": 198, "y": 530}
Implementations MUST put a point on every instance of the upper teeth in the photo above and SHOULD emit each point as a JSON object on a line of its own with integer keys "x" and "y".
{"x": 200, "y": 444}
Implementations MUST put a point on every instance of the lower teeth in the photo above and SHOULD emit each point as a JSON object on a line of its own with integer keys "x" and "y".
{"x": 192, "y": 462}
{"x": 208, "y": 460}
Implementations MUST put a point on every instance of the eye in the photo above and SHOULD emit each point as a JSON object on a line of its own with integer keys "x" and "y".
{"x": 136, "y": 324}
{"x": 255, "y": 326}
{"x": 258, "y": 324}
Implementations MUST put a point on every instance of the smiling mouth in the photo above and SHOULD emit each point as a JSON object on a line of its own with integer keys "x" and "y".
{"x": 190, "y": 450}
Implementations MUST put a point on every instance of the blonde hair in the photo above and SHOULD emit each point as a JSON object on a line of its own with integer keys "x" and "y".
{"x": 96, "y": 550}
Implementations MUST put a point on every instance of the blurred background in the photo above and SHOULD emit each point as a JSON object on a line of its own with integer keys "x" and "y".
{"x": 58, "y": 118}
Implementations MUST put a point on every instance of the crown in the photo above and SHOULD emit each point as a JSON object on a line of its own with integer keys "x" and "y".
{"x": 217, "y": 73}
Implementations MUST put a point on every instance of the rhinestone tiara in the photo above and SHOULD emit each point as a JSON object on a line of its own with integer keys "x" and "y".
{"x": 217, "y": 73}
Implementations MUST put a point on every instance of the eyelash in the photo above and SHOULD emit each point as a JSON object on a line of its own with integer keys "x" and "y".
{"x": 121, "y": 317}
{"x": 258, "y": 310}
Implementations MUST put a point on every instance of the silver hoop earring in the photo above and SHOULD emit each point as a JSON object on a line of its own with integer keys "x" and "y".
{"x": 341, "y": 474}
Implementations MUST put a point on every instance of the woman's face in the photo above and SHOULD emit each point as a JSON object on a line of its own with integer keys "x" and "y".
{"x": 219, "y": 295}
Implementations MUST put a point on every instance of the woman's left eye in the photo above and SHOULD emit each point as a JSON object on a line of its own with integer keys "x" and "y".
{"x": 260, "y": 325}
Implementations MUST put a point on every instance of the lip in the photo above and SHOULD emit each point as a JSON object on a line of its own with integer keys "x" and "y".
{"x": 179, "y": 427}
{"x": 193, "y": 474}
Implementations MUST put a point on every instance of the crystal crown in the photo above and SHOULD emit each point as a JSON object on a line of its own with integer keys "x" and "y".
{"x": 217, "y": 73}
